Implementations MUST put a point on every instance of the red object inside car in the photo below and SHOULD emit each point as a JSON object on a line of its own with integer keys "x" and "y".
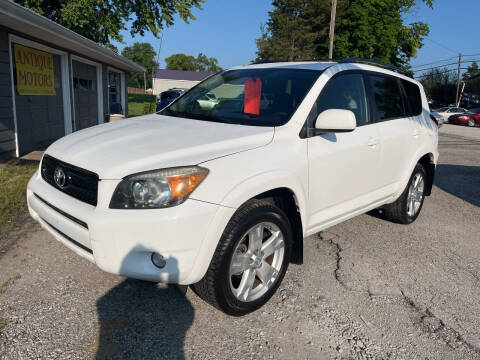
{"x": 253, "y": 91}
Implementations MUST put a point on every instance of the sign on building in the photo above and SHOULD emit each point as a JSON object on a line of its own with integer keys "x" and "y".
{"x": 34, "y": 71}
{"x": 470, "y": 98}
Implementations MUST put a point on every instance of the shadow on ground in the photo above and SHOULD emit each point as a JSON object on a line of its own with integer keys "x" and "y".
{"x": 460, "y": 180}
{"x": 141, "y": 320}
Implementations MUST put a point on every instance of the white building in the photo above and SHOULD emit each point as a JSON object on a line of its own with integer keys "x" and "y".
{"x": 168, "y": 79}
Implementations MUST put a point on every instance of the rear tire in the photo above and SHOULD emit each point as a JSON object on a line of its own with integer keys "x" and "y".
{"x": 250, "y": 261}
{"x": 408, "y": 206}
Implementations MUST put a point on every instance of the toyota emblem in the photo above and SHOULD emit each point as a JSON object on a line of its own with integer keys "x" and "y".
{"x": 60, "y": 177}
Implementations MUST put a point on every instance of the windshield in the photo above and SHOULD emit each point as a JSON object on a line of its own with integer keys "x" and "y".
{"x": 442, "y": 109}
{"x": 257, "y": 97}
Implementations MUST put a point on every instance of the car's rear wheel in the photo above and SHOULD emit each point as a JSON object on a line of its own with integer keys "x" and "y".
{"x": 250, "y": 260}
{"x": 471, "y": 122}
{"x": 408, "y": 206}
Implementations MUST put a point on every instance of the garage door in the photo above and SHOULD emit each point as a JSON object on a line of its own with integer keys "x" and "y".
{"x": 85, "y": 94}
{"x": 40, "y": 119}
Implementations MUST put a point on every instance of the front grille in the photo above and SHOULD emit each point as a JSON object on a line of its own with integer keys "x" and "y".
{"x": 78, "y": 183}
{"x": 73, "y": 218}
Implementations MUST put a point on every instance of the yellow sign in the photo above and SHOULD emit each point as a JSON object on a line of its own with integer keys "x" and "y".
{"x": 34, "y": 71}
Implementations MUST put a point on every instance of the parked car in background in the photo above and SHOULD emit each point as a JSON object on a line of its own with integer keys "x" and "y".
{"x": 222, "y": 197}
{"x": 208, "y": 101}
{"x": 446, "y": 112}
{"x": 470, "y": 118}
{"x": 166, "y": 97}
{"x": 438, "y": 118}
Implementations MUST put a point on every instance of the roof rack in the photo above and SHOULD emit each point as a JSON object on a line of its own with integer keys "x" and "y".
{"x": 257, "y": 62}
{"x": 350, "y": 60}
{"x": 372, "y": 62}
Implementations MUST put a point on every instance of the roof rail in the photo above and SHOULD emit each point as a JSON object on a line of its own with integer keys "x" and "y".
{"x": 350, "y": 60}
{"x": 373, "y": 62}
{"x": 256, "y": 62}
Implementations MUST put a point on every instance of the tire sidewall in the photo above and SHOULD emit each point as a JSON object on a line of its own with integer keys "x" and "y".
{"x": 409, "y": 219}
{"x": 227, "y": 300}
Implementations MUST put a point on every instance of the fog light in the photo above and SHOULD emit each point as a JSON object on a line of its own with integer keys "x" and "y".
{"x": 158, "y": 260}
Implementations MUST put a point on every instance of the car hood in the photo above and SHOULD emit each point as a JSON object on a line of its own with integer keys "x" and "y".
{"x": 115, "y": 150}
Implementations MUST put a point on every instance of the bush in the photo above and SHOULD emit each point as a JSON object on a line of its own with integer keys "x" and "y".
{"x": 141, "y": 98}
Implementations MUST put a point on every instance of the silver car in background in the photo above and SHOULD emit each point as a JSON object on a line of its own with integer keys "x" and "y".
{"x": 437, "y": 117}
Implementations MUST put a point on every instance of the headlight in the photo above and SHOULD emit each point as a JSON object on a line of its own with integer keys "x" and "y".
{"x": 157, "y": 189}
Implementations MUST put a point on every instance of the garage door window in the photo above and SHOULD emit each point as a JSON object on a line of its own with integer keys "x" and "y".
{"x": 115, "y": 92}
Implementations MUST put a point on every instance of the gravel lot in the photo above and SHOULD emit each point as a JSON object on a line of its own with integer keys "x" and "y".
{"x": 368, "y": 289}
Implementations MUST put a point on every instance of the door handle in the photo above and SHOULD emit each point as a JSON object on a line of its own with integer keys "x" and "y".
{"x": 372, "y": 142}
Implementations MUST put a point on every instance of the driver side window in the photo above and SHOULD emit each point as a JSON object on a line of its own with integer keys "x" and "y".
{"x": 345, "y": 92}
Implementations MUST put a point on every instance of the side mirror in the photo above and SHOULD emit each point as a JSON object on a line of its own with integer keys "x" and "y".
{"x": 335, "y": 120}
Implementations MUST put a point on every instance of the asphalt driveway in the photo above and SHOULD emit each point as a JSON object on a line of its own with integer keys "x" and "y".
{"x": 368, "y": 289}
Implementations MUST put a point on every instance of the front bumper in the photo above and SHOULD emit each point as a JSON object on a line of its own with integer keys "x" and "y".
{"x": 122, "y": 241}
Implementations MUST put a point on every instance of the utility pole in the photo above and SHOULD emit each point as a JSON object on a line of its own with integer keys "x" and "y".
{"x": 461, "y": 92}
{"x": 458, "y": 76}
{"x": 158, "y": 58}
{"x": 332, "y": 28}
{"x": 144, "y": 82}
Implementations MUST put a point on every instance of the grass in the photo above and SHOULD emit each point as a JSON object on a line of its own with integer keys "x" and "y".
{"x": 14, "y": 176}
{"x": 136, "y": 103}
{"x": 3, "y": 322}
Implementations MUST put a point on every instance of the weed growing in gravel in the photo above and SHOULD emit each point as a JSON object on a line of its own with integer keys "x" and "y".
{"x": 3, "y": 322}
{"x": 14, "y": 176}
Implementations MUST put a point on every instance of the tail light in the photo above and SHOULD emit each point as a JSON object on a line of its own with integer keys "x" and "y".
{"x": 433, "y": 119}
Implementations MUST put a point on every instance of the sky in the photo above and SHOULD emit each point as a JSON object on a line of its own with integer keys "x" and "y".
{"x": 227, "y": 29}
{"x": 224, "y": 29}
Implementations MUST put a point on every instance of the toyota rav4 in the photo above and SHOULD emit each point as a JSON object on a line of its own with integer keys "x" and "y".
{"x": 220, "y": 195}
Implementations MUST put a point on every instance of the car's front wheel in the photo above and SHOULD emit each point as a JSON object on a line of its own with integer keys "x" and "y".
{"x": 471, "y": 122}
{"x": 250, "y": 260}
{"x": 407, "y": 207}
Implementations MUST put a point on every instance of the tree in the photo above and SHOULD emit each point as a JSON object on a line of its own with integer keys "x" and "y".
{"x": 180, "y": 62}
{"x": 472, "y": 70}
{"x": 292, "y": 30}
{"x": 440, "y": 86}
{"x": 103, "y": 21}
{"x": 144, "y": 55}
{"x": 204, "y": 63}
{"x": 190, "y": 63}
{"x": 374, "y": 29}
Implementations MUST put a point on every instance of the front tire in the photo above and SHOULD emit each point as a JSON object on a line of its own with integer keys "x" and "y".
{"x": 250, "y": 261}
{"x": 471, "y": 122}
{"x": 408, "y": 206}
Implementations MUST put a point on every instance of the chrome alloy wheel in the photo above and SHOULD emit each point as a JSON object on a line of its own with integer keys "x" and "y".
{"x": 415, "y": 194}
{"x": 256, "y": 262}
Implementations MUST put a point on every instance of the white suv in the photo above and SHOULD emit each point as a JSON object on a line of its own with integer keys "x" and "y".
{"x": 221, "y": 197}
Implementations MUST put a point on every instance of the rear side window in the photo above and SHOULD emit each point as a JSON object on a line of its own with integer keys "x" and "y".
{"x": 387, "y": 97}
{"x": 169, "y": 95}
{"x": 346, "y": 92}
{"x": 413, "y": 97}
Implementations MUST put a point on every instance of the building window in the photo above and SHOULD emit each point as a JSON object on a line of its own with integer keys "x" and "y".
{"x": 115, "y": 92}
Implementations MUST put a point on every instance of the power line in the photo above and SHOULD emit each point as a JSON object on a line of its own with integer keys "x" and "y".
{"x": 438, "y": 73}
{"x": 441, "y": 60}
{"x": 443, "y": 46}
{"x": 433, "y": 62}
{"x": 445, "y": 65}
